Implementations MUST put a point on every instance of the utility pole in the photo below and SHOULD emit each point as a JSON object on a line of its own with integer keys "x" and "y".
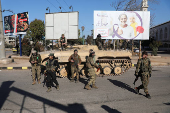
{"x": 144, "y": 8}
{"x": 82, "y": 28}
{"x": 2, "y": 42}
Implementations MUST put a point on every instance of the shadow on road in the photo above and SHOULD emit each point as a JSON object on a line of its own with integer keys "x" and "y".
{"x": 167, "y": 103}
{"x": 122, "y": 85}
{"x": 5, "y": 90}
{"x": 83, "y": 80}
{"x": 110, "y": 110}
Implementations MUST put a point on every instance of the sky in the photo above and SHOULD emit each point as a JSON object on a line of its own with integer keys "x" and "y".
{"x": 37, "y": 9}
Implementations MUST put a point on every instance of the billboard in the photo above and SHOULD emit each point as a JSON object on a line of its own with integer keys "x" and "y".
{"x": 16, "y": 24}
{"x": 61, "y": 23}
{"x": 130, "y": 25}
{"x": 22, "y": 22}
{"x": 9, "y": 24}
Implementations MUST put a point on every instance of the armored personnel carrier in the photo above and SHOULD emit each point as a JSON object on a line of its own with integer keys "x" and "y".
{"x": 112, "y": 62}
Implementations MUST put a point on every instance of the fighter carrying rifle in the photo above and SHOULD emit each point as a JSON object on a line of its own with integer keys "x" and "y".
{"x": 75, "y": 61}
{"x": 35, "y": 61}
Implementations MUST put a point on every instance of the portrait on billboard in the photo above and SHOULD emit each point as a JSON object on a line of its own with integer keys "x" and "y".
{"x": 122, "y": 25}
{"x": 9, "y": 24}
{"x": 22, "y": 22}
{"x": 16, "y": 24}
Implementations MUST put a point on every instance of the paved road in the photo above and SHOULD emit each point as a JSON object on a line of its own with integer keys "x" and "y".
{"x": 8, "y": 53}
{"x": 115, "y": 94}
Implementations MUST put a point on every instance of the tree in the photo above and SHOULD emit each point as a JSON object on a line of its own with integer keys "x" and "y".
{"x": 79, "y": 33}
{"x": 36, "y": 31}
{"x": 130, "y": 5}
{"x": 154, "y": 45}
{"x": 26, "y": 46}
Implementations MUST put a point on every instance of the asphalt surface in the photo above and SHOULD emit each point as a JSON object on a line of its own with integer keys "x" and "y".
{"x": 115, "y": 94}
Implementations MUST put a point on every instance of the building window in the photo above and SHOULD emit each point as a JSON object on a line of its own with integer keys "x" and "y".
{"x": 161, "y": 34}
{"x": 156, "y": 35}
{"x": 166, "y": 33}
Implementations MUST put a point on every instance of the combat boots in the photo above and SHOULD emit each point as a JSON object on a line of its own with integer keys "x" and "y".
{"x": 39, "y": 81}
{"x": 148, "y": 96}
{"x": 72, "y": 80}
{"x": 94, "y": 86}
{"x": 49, "y": 89}
{"x": 57, "y": 87}
{"x": 137, "y": 90}
{"x": 77, "y": 81}
{"x": 33, "y": 82}
{"x": 88, "y": 87}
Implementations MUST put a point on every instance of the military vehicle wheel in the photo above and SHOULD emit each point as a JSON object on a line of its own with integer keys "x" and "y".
{"x": 117, "y": 70}
{"x": 107, "y": 70}
{"x": 63, "y": 72}
{"x": 127, "y": 64}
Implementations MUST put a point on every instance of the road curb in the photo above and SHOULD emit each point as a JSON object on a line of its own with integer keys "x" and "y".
{"x": 16, "y": 68}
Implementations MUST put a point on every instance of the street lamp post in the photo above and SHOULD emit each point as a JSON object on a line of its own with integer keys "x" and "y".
{"x": 71, "y": 7}
{"x": 45, "y": 38}
{"x": 144, "y": 8}
{"x": 82, "y": 28}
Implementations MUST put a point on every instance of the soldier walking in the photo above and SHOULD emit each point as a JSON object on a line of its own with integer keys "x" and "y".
{"x": 75, "y": 62}
{"x": 35, "y": 61}
{"x": 51, "y": 67}
{"x": 90, "y": 63}
{"x": 143, "y": 70}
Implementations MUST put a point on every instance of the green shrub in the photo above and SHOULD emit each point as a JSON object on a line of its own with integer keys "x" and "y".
{"x": 26, "y": 47}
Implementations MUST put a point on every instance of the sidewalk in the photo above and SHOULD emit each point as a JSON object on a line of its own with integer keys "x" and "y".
{"x": 23, "y": 61}
{"x": 155, "y": 60}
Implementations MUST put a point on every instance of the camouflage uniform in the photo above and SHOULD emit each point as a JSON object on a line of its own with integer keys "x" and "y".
{"x": 90, "y": 63}
{"x": 36, "y": 67}
{"x": 99, "y": 41}
{"x": 51, "y": 67}
{"x": 62, "y": 40}
{"x": 74, "y": 65}
{"x": 144, "y": 70}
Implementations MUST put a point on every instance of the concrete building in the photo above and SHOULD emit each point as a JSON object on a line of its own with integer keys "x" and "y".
{"x": 161, "y": 33}
{"x": 10, "y": 40}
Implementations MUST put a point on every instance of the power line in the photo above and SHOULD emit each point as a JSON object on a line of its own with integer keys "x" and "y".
{"x": 66, "y": 3}
{"x": 60, "y": 5}
{"x": 53, "y": 5}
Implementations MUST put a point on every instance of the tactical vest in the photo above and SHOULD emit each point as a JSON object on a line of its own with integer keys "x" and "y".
{"x": 48, "y": 67}
{"x": 35, "y": 58}
{"x": 64, "y": 40}
{"x": 145, "y": 66}
{"x": 76, "y": 59}
{"x": 88, "y": 63}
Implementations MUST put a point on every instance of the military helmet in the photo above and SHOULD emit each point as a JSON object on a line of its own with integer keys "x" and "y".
{"x": 91, "y": 50}
{"x": 51, "y": 54}
{"x": 144, "y": 53}
{"x": 98, "y": 35}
